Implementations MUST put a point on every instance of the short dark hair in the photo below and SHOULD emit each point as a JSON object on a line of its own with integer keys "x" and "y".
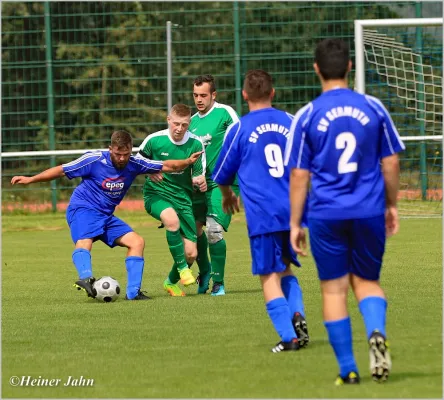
{"x": 121, "y": 139}
{"x": 181, "y": 110}
{"x": 201, "y": 79}
{"x": 258, "y": 85}
{"x": 332, "y": 57}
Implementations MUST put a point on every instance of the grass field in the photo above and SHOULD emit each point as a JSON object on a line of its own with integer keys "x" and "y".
{"x": 201, "y": 346}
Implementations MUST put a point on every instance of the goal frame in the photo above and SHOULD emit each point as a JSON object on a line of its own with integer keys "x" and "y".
{"x": 360, "y": 24}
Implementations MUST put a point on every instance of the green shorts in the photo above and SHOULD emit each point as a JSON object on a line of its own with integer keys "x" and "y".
{"x": 209, "y": 204}
{"x": 154, "y": 205}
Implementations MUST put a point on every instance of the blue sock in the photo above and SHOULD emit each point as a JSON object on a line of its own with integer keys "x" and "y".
{"x": 340, "y": 337}
{"x": 82, "y": 261}
{"x": 373, "y": 310}
{"x": 279, "y": 313}
{"x": 293, "y": 294}
{"x": 134, "y": 268}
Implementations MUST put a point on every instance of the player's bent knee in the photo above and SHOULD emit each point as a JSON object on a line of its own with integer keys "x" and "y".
{"x": 214, "y": 231}
{"x": 170, "y": 219}
{"x": 137, "y": 241}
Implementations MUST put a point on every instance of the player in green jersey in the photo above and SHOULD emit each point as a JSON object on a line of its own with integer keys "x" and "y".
{"x": 168, "y": 197}
{"x": 210, "y": 124}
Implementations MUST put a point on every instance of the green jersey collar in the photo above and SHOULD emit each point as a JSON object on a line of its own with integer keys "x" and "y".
{"x": 215, "y": 105}
{"x": 181, "y": 142}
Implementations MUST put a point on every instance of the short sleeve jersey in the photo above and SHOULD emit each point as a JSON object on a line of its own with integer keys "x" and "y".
{"x": 211, "y": 128}
{"x": 341, "y": 138}
{"x": 254, "y": 150}
{"x": 103, "y": 185}
{"x": 177, "y": 185}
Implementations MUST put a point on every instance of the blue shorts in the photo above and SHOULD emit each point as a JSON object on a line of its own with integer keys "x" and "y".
{"x": 86, "y": 223}
{"x": 268, "y": 252}
{"x": 354, "y": 246}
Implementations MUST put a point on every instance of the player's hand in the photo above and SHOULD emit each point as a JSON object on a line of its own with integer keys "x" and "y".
{"x": 200, "y": 183}
{"x": 157, "y": 177}
{"x": 194, "y": 157}
{"x": 23, "y": 180}
{"x": 391, "y": 221}
{"x": 230, "y": 203}
{"x": 298, "y": 240}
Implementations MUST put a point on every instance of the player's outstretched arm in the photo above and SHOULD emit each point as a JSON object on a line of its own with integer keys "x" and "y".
{"x": 45, "y": 176}
{"x": 298, "y": 194}
{"x": 390, "y": 170}
{"x": 180, "y": 165}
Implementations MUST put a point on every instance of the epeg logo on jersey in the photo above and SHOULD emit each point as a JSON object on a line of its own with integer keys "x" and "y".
{"x": 113, "y": 184}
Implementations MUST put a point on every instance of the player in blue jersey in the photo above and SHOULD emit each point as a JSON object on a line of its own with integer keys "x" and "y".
{"x": 253, "y": 149}
{"x": 348, "y": 144}
{"x": 106, "y": 177}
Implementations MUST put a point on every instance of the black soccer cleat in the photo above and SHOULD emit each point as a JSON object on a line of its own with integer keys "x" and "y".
{"x": 300, "y": 327}
{"x": 351, "y": 379}
{"x": 286, "y": 346}
{"x": 87, "y": 285}
{"x": 140, "y": 296}
{"x": 380, "y": 360}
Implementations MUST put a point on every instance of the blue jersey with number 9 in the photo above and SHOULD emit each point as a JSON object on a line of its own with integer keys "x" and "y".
{"x": 341, "y": 138}
{"x": 254, "y": 149}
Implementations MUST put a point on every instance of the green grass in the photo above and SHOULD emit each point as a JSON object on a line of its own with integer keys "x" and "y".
{"x": 201, "y": 346}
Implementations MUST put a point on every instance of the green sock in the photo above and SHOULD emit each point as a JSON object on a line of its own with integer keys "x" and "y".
{"x": 202, "y": 254}
{"x": 177, "y": 250}
{"x": 174, "y": 276}
{"x": 218, "y": 254}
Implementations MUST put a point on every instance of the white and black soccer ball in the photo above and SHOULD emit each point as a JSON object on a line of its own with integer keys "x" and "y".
{"x": 108, "y": 289}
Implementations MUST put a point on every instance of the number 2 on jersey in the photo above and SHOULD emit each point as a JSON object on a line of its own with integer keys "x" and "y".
{"x": 273, "y": 155}
{"x": 346, "y": 141}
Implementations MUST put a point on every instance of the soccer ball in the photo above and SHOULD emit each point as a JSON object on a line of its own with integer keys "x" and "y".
{"x": 108, "y": 289}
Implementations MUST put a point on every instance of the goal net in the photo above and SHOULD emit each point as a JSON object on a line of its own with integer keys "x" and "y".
{"x": 400, "y": 62}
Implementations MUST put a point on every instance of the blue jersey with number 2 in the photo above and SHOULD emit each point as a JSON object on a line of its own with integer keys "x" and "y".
{"x": 341, "y": 138}
{"x": 254, "y": 149}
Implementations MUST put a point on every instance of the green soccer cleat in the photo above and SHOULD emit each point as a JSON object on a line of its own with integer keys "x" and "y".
{"x": 87, "y": 285}
{"x": 186, "y": 277}
{"x": 203, "y": 280}
{"x": 380, "y": 360}
{"x": 351, "y": 379}
{"x": 173, "y": 289}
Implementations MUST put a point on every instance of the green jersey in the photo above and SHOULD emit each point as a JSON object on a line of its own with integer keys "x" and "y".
{"x": 176, "y": 186}
{"x": 211, "y": 128}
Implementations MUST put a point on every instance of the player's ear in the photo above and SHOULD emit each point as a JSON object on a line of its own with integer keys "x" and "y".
{"x": 349, "y": 67}
{"x": 213, "y": 95}
{"x": 244, "y": 95}
{"x": 316, "y": 68}
{"x": 273, "y": 92}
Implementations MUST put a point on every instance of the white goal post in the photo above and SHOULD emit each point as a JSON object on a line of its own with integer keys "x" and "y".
{"x": 400, "y": 62}
{"x": 360, "y": 24}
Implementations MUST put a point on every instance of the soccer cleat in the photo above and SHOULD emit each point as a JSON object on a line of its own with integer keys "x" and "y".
{"x": 87, "y": 286}
{"x": 140, "y": 296}
{"x": 218, "y": 289}
{"x": 173, "y": 289}
{"x": 203, "y": 280}
{"x": 186, "y": 277}
{"x": 286, "y": 346}
{"x": 380, "y": 360}
{"x": 300, "y": 327}
{"x": 351, "y": 379}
